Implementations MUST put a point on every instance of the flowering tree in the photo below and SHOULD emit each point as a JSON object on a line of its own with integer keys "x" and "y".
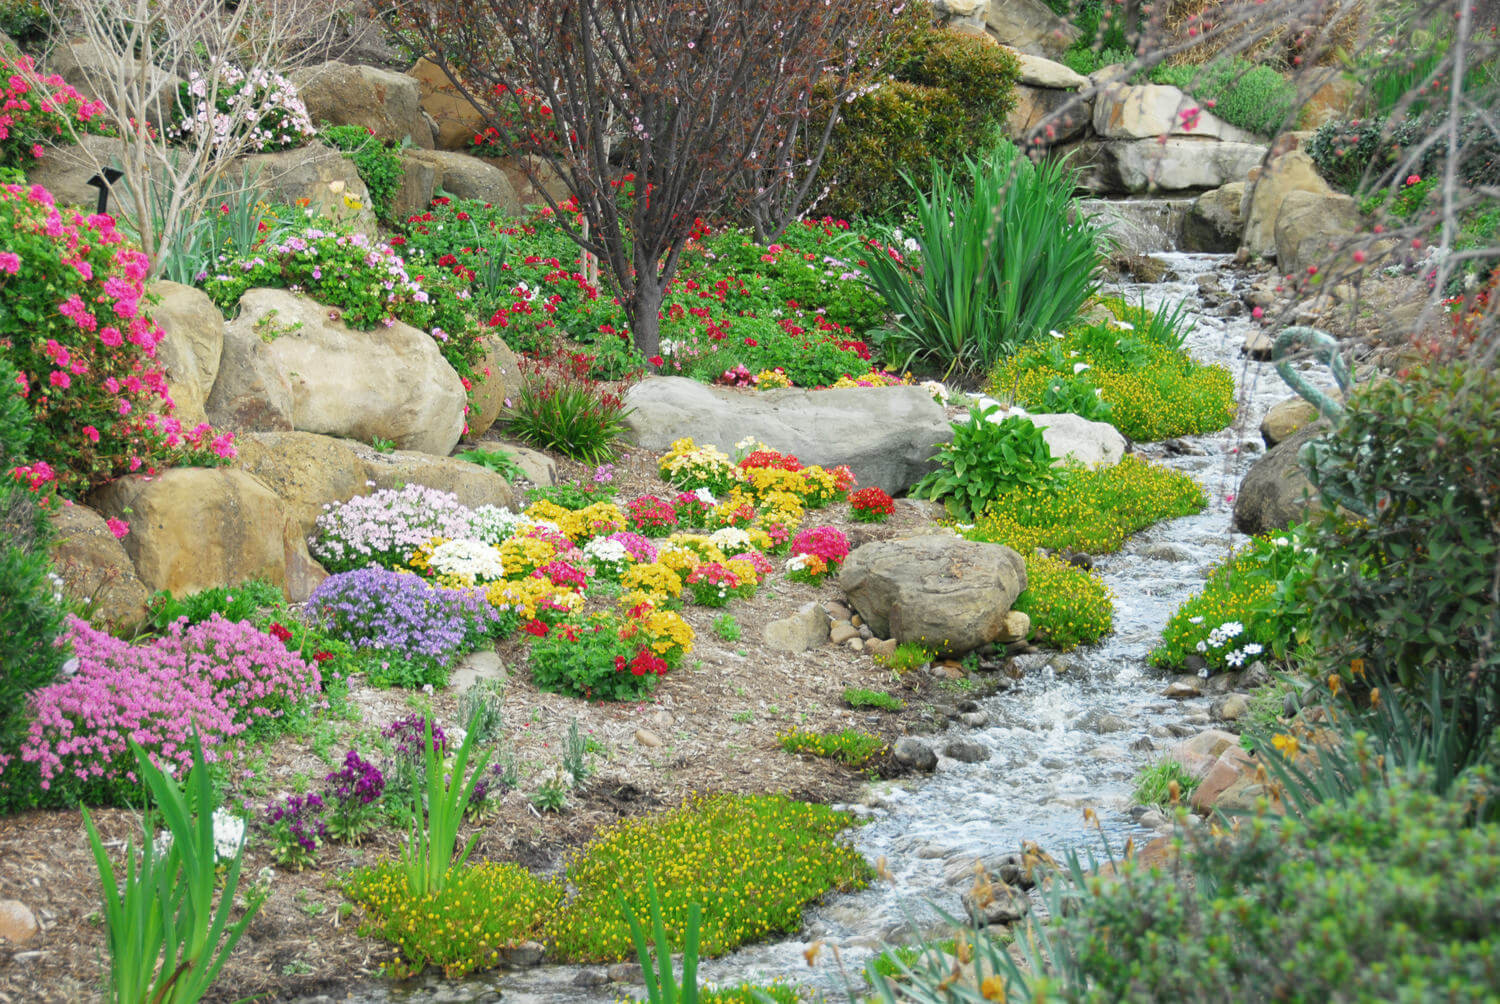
{"x": 709, "y": 105}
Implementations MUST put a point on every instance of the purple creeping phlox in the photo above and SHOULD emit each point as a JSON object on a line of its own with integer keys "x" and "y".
{"x": 402, "y": 614}
{"x": 224, "y": 677}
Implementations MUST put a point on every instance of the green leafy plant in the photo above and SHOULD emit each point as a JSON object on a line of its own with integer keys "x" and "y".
{"x": 859, "y": 697}
{"x": 167, "y": 938}
{"x": 594, "y": 662}
{"x": 1255, "y": 98}
{"x": 501, "y": 461}
{"x": 427, "y": 856}
{"x": 726, "y": 628}
{"x": 572, "y": 496}
{"x": 560, "y": 407}
{"x": 1154, "y": 784}
{"x": 552, "y": 794}
{"x": 483, "y": 707}
{"x": 236, "y": 603}
{"x": 383, "y": 445}
{"x": 906, "y": 657}
{"x": 848, "y": 746}
{"x": 1004, "y": 255}
{"x": 576, "y": 756}
{"x": 377, "y": 161}
{"x": 661, "y": 985}
{"x": 984, "y": 459}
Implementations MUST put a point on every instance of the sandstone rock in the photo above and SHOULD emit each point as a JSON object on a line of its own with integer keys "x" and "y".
{"x": 1216, "y": 221}
{"x": 1286, "y": 418}
{"x": 1183, "y": 688}
{"x": 1269, "y": 186}
{"x": 523, "y": 955}
{"x": 1276, "y": 491}
{"x": 474, "y": 484}
{"x": 842, "y": 632}
{"x": 1017, "y": 627}
{"x": 65, "y": 170}
{"x": 94, "y": 566}
{"x": 887, "y": 435}
{"x": 943, "y": 592}
{"x": 805, "y": 629}
{"x": 1145, "y": 111}
{"x": 193, "y": 528}
{"x": 1178, "y": 163}
{"x": 1198, "y": 754}
{"x": 388, "y": 104}
{"x": 467, "y": 177}
{"x": 99, "y": 72}
{"x": 1243, "y": 795}
{"x": 502, "y": 377}
{"x": 646, "y": 737}
{"x": 189, "y": 352}
{"x": 320, "y": 174}
{"x": 529, "y": 187}
{"x": 18, "y": 924}
{"x": 389, "y": 382}
{"x": 1039, "y": 72}
{"x": 457, "y": 119}
{"x": 1067, "y": 113}
{"x": 537, "y": 467}
{"x": 1093, "y": 444}
{"x": 1311, "y": 226}
{"x": 966, "y": 751}
{"x": 1227, "y": 769}
{"x": 1259, "y": 344}
{"x": 1030, "y": 26}
{"x": 914, "y": 753}
{"x": 419, "y": 181}
{"x": 882, "y": 648}
{"x": 305, "y": 470}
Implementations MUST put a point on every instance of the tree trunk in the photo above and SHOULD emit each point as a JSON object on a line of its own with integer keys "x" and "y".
{"x": 645, "y": 313}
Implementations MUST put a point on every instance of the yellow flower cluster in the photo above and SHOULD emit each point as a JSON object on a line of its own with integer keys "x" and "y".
{"x": 524, "y": 555}
{"x": 528, "y": 594}
{"x": 874, "y": 378}
{"x": 667, "y": 634}
{"x": 762, "y": 481}
{"x": 547, "y": 510}
{"x": 772, "y": 380}
{"x": 700, "y": 463}
{"x": 744, "y": 570}
{"x": 656, "y": 580}
{"x": 597, "y": 520}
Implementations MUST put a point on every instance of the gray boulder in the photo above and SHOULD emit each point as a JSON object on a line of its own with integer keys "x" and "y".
{"x": 1073, "y": 437}
{"x": 887, "y": 435}
{"x": 1133, "y": 166}
{"x": 65, "y": 170}
{"x": 942, "y": 592}
{"x": 1029, "y": 25}
{"x": 1276, "y": 490}
{"x": 1214, "y": 223}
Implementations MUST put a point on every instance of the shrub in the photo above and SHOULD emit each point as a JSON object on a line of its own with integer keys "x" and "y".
{"x": 28, "y": 22}
{"x": 1004, "y": 256}
{"x": 415, "y": 630}
{"x": 1254, "y": 98}
{"x": 1089, "y": 510}
{"x": 1249, "y": 605}
{"x": 223, "y": 678}
{"x": 985, "y": 458}
{"x": 385, "y": 527}
{"x": 1068, "y": 606}
{"x": 1154, "y": 785}
{"x": 848, "y": 746}
{"x": 377, "y": 161}
{"x": 1408, "y": 593}
{"x": 594, "y": 662}
{"x": 949, "y": 94}
{"x": 38, "y": 110}
{"x": 560, "y": 407}
{"x": 483, "y": 908}
{"x": 751, "y": 862}
{"x": 1358, "y": 155}
{"x": 72, "y": 314}
{"x": 233, "y": 603}
{"x": 859, "y": 697}
{"x": 217, "y": 101}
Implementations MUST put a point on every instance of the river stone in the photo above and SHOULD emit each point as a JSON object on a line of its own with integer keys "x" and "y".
{"x": 1203, "y": 750}
{"x": 289, "y": 360}
{"x": 1230, "y": 707}
{"x": 1231, "y": 765}
{"x": 887, "y": 435}
{"x": 1039, "y": 72}
{"x": 996, "y": 904}
{"x": 966, "y": 751}
{"x": 1073, "y": 437}
{"x": 1288, "y": 417}
{"x": 942, "y": 592}
{"x": 1016, "y": 627}
{"x": 1276, "y": 491}
{"x": 1182, "y": 688}
{"x": 805, "y": 629}
{"x": 842, "y": 632}
{"x": 914, "y": 753}
{"x": 1214, "y": 223}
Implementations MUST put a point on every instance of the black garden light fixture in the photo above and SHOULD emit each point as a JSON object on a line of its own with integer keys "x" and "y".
{"x": 102, "y": 181}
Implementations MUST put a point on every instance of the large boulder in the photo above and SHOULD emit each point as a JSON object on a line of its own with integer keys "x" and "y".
{"x": 189, "y": 352}
{"x": 1133, "y": 166}
{"x": 458, "y": 121}
{"x": 1030, "y": 26}
{"x": 502, "y": 376}
{"x": 1073, "y": 437}
{"x": 65, "y": 170}
{"x": 1293, "y": 171}
{"x": 1066, "y": 113}
{"x": 1145, "y": 111}
{"x": 1312, "y": 227}
{"x": 95, "y": 568}
{"x": 419, "y": 181}
{"x": 193, "y": 528}
{"x": 1276, "y": 491}
{"x": 887, "y": 435}
{"x": 386, "y": 103}
{"x": 474, "y": 484}
{"x": 944, "y": 593}
{"x": 387, "y": 383}
{"x": 100, "y": 72}
{"x": 1286, "y": 418}
{"x": 319, "y": 174}
{"x": 306, "y": 471}
{"x": 467, "y": 177}
{"x": 1216, "y": 220}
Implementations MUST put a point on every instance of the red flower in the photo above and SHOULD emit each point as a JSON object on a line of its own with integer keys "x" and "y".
{"x": 751, "y": 342}
{"x": 535, "y": 627}
{"x": 278, "y": 632}
{"x": 656, "y": 361}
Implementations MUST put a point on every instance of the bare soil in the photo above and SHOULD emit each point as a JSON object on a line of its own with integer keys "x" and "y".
{"x": 716, "y": 720}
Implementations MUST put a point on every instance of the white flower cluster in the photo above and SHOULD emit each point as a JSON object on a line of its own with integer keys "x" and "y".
{"x": 262, "y": 105}
{"x": 936, "y": 389}
{"x": 474, "y": 561}
{"x": 797, "y": 562}
{"x": 731, "y": 540}
{"x": 608, "y": 556}
{"x": 388, "y": 521}
{"x": 1223, "y": 635}
{"x": 229, "y": 837}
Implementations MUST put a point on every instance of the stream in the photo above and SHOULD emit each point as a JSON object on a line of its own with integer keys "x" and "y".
{"x": 1049, "y": 759}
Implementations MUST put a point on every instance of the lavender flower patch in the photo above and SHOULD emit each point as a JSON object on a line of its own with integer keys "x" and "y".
{"x": 412, "y": 632}
{"x": 383, "y": 528}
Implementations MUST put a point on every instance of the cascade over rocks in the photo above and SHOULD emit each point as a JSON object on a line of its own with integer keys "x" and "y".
{"x": 942, "y": 592}
{"x": 887, "y": 435}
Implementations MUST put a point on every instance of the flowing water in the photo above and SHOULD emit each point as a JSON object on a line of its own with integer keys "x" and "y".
{"x": 1047, "y": 763}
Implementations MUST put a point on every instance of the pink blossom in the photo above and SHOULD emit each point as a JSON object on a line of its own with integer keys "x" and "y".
{"x": 118, "y": 527}
{"x": 59, "y": 378}
{"x": 10, "y": 262}
{"x": 91, "y": 434}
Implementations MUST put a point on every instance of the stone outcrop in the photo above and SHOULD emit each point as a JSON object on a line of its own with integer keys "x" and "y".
{"x": 1216, "y": 221}
{"x": 942, "y": 592}
{"x": 97, "y": 71}
{"x": 95, "y": 568}
{"x": 1311, "y": 227}
{"x": 319, "y": 174}
{"x": 502, "y": 378}
{"x": 467, "y": 177}
{"x": 1276, "y": 491}
{"x": 1293, "y": 171}
{"x": 1144, "y": 111}
{"x": 1176, "y": 163}
{"x": 887, "y": 435}
{"x": 65, "y": 170}
{"x": 189, "y": 352}
{"x": 386, "y": 103}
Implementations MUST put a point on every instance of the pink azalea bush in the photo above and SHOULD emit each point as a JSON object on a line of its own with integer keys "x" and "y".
{"x": 37, "y": 109}
{"x": 225, "y": 677}
{"x": 74, "y": 321}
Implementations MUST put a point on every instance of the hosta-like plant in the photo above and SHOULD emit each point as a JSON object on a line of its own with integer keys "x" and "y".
{"x": 986, "y": 458}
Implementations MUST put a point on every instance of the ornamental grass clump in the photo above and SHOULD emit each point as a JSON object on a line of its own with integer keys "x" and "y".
{"x": 559, "y": 406}
{"x": 225, "y": 679}
{"x": 751, "y": 862}
{"x": 384, "y": 527}
{"x": 412, "y": 630}
{"x": 73, "y": 316}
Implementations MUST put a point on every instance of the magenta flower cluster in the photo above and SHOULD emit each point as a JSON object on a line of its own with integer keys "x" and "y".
{"x": 826, "y": 542}
{"x": 639, "y": 548}
{"x": 222, "y": 677}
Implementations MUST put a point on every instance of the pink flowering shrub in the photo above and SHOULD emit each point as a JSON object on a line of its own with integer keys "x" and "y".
{"x": 73, "y": 321}
{"x": 37, "y": 109}
{"x": 225, "y": 677}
